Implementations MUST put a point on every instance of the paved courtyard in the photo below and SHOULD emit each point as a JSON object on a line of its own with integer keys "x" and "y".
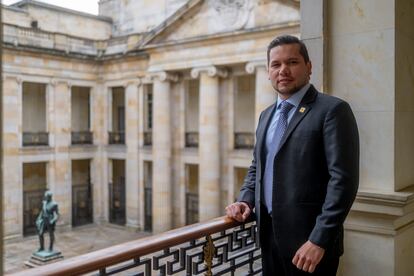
{"x": 79, "y": 240}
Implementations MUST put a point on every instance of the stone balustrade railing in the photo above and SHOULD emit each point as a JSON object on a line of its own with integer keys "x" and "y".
{"x": 220, "y": 246}
{"x": 32, "y": 37}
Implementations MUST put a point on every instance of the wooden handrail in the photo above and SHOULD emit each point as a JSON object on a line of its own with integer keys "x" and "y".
{"x": 129, "y": 250}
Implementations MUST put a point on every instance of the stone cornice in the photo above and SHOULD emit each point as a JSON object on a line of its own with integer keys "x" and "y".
{"x": 251, "y": 66}
{"x": 288, "y": 26}
{"x": 212, "y": 71}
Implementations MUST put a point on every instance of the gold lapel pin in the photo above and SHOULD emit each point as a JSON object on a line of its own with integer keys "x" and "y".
{"x": 302, "y": 109}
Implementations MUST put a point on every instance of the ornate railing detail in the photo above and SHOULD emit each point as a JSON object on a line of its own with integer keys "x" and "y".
{"x": 35, "y": 139}
{"x": 191, "y": 139}
{"x": 147, "y": 138}
{"x": 220, "y": 246}
{"x": 116, "y": 137}
{"x": 191, "y": 208}
{"x": 82, "y": 137}
{"x": 209, "y": 251}
{"x": 243, "y": 140}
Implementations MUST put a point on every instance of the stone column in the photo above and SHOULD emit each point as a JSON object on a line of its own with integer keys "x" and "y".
{"x": 314, "y": 34}
{"x": 99, "y": 164}
{"x": 370, "y": 66}
{"x": 132, "y": 136}
{"x": 61, "y": 164}
{"x": 12, "y": 168}
{"x": 265, "y": 95}
{"x": 209, "y": 148}
{"x": 162, "y": 181}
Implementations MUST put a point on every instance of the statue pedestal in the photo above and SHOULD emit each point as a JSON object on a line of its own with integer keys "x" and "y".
{"x": 43, "y": 257}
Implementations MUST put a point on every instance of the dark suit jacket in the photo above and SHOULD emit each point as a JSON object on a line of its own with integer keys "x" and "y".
{"x": 316, "y": 174}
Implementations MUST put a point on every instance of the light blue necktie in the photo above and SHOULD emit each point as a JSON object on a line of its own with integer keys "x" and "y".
{"x": 280, "y": 129}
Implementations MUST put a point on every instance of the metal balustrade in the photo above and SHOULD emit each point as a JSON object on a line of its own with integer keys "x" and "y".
{"x": 116, "y": 137}
{"x": 220, "y": 246}
{"x": 191, "y": 139}
{"x": 147, "y": 138}
{"x": 82, "y": 137}
{"x": 35, "y": 139}
{"x": 243, "y": 140}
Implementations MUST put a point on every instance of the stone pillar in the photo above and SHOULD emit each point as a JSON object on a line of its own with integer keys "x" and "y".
{"x": 132, "y": 136}
{"x": 99, "y": 163}
{"x": 12, "y": 168}
{"x": 61, "y": 164}
{"x": 162, "y": 181}
{"x": 209, "y": 147}
{"x": 314, "y": 34}
{"x": 370, "y": 66}
{"x": 265, "y": 95}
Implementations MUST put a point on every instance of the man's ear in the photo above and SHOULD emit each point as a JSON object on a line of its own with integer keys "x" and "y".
{"x": 309, "y": 66}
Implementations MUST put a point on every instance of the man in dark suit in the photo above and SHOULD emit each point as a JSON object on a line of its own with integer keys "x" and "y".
{"x": 305, "y": 170}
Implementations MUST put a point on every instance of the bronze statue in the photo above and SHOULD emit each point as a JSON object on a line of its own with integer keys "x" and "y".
{"x": 46, "y": 220}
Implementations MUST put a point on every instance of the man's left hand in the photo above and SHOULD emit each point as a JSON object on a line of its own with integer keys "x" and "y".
{"x": 308, "y": 257}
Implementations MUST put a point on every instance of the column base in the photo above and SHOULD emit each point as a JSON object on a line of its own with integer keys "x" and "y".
{"x": 379, "y": 236}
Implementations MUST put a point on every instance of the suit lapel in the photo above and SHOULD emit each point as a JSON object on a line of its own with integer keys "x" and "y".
{"x": 261, "y": 132}
{"x": 303, "y": 109}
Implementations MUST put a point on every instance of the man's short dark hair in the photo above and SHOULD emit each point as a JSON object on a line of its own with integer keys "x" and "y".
{"x": 288, "y": 39}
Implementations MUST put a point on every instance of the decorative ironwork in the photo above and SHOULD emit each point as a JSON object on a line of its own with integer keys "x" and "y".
{"x": 221, "y": 247}
{"x": 147, "y": 138}
{"x": 116, "y": 137}
{"x": 191, "y": 204}
{"x": 32, "y": 204}
{"x": 82, "y": 204}
{"x": 117, "y": 202}
{"x": 82, "y": 138}
{"x": 209, "y": 251}
{"x": 148, "y": 209}
{"x": 191, "y": 139}
{"x": 35, "y": 139}
{"x": 243, "y": 140}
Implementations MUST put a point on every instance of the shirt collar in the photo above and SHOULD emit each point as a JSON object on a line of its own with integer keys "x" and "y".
{"x": 296, "y": 98}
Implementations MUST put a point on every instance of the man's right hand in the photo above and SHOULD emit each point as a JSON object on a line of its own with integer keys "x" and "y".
{"x": 239, "y": 211}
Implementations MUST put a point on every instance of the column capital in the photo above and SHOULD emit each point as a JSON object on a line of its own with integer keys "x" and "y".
{"x": 134, "y": 82}
{"x": 251, "y": 66}
{"x": 55, "y": 82}
{"x": 163, "y": 76}
{"x": 18, "y": 79}
{"x": 212, "y": 71}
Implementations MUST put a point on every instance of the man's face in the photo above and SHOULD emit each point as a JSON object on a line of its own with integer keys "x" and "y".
{"x": 287, "y": 70}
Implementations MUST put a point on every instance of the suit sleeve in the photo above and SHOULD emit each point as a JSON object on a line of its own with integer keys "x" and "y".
{"x": 341, "y": 146}
{"x": 247, "y": 191}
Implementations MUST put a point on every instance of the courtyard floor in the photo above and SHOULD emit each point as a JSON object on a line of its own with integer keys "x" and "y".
{"x": 79, "y": 240}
